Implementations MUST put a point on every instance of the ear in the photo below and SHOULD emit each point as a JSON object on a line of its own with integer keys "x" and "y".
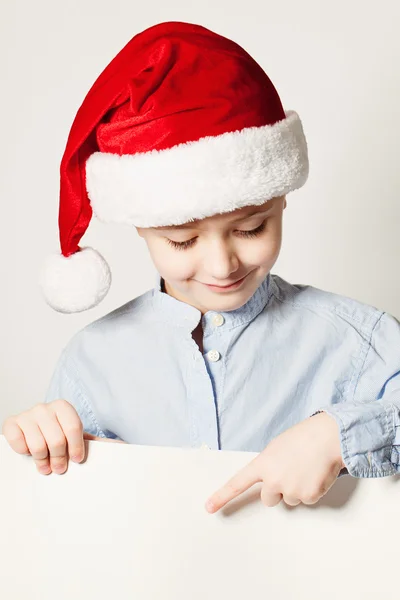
{"x": 139, "y": 230}
{"x": 284, "y": 203}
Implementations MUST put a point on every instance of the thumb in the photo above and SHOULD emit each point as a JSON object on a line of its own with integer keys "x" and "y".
{"x": 90, "y": 436}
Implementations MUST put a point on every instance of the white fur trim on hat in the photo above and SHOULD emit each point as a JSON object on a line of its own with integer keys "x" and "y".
{"x": 77, "y": 282}
{"x": 198, "y": 179}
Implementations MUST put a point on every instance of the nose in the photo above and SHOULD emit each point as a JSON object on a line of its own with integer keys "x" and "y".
{"x": 221, "y": 260}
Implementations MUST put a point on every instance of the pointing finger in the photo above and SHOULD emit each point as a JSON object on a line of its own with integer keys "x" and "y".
{"x": 241, "y": 482}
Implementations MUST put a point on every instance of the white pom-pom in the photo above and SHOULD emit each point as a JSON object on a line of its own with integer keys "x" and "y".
{"x": 76, "y": 283}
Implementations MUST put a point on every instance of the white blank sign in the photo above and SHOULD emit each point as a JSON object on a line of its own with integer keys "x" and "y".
{"x": 130, "y": 523}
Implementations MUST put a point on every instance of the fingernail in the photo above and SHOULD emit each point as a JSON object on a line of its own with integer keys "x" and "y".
{"x": 59, "y": 470}
{"x": 76, "y": 458}
{"x": 45, "y": 470}
{"x": 209, "y": 506}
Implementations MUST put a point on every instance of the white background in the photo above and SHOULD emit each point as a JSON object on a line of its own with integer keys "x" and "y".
{"x": 335, "y": 63}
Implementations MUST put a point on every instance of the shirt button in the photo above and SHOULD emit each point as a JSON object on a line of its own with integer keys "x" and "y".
{"x": 218, "y": 320}
{"x": 213, "y": 355}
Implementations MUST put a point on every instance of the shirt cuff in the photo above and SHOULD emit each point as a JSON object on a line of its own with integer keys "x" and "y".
{"x": 369, "y": 437}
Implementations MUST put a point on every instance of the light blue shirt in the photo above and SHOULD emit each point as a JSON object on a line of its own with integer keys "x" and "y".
{"x": 136, "y": 374}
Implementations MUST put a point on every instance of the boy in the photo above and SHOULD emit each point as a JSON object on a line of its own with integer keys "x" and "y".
{"x": 184, "y": 136}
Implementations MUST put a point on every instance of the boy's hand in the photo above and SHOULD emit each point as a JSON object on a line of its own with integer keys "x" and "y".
{"x": 52, "y": 433}
{"x": 300, "y": 465}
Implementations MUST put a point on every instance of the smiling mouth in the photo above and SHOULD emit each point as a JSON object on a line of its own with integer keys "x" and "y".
{"x": 222, "y": 287}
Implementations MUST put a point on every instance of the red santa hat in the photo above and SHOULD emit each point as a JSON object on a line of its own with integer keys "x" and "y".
{"x": 181, "y": 125}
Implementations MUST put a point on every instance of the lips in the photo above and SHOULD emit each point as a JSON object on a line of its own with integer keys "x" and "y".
{"x": 229, "y": 284}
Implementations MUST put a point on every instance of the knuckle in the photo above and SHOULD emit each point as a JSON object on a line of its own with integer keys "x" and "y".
{"x": 18, "y": 444}
{"x": 9, "y": 421}
{"x": 9, "y": 430}
{"x": 58, "y": 461}
{"x": 39, "y": 409}
{"x": 271, "y": 499}
{"x": 272, "y": 477}
{"x": 15, "y": 439}
{"x": 265, "y": 495}
{"x": 57, "y": 445}
{"x": 274, "y": 485}
{"x": 14, "y": 436}
{"x": 321, "y": 491}
{"x": 74, "y": 428}
{"x": 21, "y": 418}
{"x": 39, "y": 449}
{"x": 291, "y": 493}
{"x": 310, "y": 498}
{"x": 60, "y": 403}
{"x": 291, "y": 501}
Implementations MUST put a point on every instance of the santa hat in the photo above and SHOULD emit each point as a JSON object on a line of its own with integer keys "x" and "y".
{"x": 181, "y": 125}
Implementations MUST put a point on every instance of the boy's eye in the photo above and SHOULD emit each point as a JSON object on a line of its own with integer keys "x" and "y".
{"x": 181, "y": 245}
{"x": 189, "y": 243}
{"x": 253, "y": 232}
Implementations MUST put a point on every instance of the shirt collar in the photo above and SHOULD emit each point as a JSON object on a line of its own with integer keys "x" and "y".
{"x": 184, "y": 315}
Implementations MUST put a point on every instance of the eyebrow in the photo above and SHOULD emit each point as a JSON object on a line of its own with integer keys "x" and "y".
{"x": 192, "y": 224}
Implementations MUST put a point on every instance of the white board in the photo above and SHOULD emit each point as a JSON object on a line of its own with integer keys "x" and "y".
{"x": 130, "y": 523}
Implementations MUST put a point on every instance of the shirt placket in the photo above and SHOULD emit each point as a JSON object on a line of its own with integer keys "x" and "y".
{"x": 213, "y": 358}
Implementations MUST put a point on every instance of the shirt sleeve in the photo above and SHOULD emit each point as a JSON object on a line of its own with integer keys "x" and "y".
{"x": 369, "y": 424}
{"x": 65, "y": 385}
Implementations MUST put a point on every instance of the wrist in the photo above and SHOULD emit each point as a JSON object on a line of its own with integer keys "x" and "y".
{"x": 333, "y": 438}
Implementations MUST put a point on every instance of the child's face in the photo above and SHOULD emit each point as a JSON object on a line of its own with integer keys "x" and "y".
{"x": 219, "y": 251}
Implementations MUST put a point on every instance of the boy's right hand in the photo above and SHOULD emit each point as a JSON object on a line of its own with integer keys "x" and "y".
{"x": 52, "y": 433}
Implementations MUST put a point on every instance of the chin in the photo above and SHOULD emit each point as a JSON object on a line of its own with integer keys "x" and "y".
{"x": 223, "y": 303}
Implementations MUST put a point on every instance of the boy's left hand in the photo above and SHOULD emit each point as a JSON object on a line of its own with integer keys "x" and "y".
{"x": 300, "y": 465}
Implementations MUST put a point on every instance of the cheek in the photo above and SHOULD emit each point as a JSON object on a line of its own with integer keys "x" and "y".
{"x": 263, "y": 252}
{"x": 170, "y": 263}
